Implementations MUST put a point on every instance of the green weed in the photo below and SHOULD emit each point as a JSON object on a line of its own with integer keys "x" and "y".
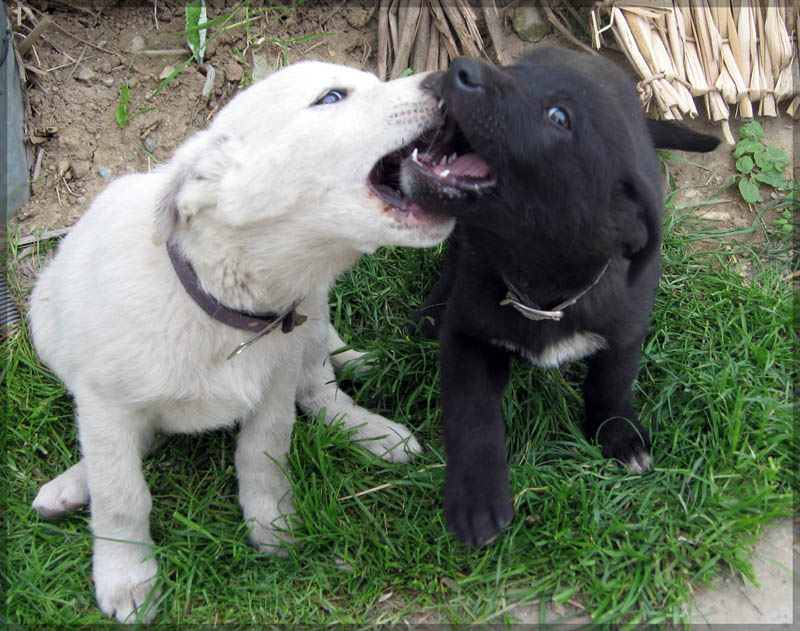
{"x": 758, "y": 164}
{"x": 122, "y": 114}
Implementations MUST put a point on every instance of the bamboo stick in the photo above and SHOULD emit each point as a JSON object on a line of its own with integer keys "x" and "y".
{"x": 733, "y": 53}
{"x": 708, "y": 46}
{"x": 739, "y": 55}
{"x": 794, "y": 108}
{"x": 393, "y": 24}
{"x": 767, "y": 105}
{"x": 407, "y": 29}
{"x": 682, "y": 96}
{"x": 730, "y": 82}
{"x": 628, "y": 42}
{"x": 34, "y": 35}
{"x": 419, "y": 56}
{"x": 778, "y": 40}
{"x": 468, "y": 45}
{"x": 676, "y": 44}
{"x": 788, "y": 83}
{"x": 551, "y": 17}
{"x": 641, "y": 35}
{"x": 757, "y": 80}
{"x": 471, "y": 21}
{"x": 649, "y": 92}
{"x": 439, "y": 20}
{"x": 444, "y": 53}
{"x": 383, "y": 39}
{"x": 781, "y": 52}
{"x": 709, "y": 53}
{"x": 694, "y": 67}
{"x": 495, "y": 29}
{"x": 745, "y": 34}
{"x": 432, "y": 62}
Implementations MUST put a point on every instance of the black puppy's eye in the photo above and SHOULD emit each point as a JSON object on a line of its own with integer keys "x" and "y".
{"x": 330, "y": 97}
{"x": 558, "y": 116}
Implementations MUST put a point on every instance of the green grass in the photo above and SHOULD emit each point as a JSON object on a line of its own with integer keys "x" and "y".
{"x": 715, "y": 390}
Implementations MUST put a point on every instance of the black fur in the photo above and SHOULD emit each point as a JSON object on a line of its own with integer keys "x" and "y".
{"x": 560, "y": 203}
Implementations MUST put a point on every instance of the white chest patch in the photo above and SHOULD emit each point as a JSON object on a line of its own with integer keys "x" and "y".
{"x": 578, "y": 346}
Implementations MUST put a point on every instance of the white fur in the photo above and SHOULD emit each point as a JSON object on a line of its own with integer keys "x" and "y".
{"x": 572, "y": 348}
{"x": 269, "y": 205}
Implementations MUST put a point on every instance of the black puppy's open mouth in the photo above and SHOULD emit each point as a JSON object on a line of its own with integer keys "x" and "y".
{"x": 442, "y": 156}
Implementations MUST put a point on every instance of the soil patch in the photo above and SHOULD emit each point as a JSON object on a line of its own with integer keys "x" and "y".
{"x": 75, "y": 72}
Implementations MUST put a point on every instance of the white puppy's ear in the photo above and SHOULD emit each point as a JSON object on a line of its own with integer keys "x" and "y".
{"x": 191, "y": 185}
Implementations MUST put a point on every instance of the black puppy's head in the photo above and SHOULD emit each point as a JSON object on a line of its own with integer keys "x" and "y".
{"x": 553, "y": 151}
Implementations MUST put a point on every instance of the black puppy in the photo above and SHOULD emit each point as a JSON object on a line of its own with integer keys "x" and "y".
{"x": 557, "y": 189}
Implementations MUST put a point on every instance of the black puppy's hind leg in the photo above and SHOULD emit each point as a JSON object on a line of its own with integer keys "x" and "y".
{"x": 610, "y": 417}
{"x": 477, "y": 496}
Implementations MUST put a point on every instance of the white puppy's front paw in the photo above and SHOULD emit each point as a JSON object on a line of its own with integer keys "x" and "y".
{"x": 389, "y": 440}
{"x": 269, "y": 540}
{"x": 124, "y": 578}
{"x": 268, "y": 522}
{"x": 64, "y": 494}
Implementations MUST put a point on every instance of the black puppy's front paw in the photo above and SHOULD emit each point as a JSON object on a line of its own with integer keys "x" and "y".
{"x": 476, "y": 509}
{"x": 627, "y": 442}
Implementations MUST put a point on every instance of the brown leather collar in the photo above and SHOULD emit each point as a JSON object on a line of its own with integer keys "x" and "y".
{"x": 244, "y": 320}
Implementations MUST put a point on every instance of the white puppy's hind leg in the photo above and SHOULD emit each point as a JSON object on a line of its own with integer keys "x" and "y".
{"x": 389, "y": 440}
{"x": 341, "y": 358}
{"x": 63, "y": 494}
{"x": 317, "y": 390}
{"x": 113, "y": 440}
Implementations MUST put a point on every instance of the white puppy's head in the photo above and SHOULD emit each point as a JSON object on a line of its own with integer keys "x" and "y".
{"x": 302, "y": 151}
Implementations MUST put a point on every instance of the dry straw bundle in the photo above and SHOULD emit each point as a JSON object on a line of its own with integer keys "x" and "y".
{"x": 730, "y": 53}
{"x": 429, "y": 34}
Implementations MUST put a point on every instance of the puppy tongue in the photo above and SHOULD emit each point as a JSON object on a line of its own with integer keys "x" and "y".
{"x": 470, "y": 164}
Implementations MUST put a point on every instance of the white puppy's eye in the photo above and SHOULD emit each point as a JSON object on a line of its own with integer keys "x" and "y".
{"x": 558, "y": 116}
{"x": 331, "y": 96}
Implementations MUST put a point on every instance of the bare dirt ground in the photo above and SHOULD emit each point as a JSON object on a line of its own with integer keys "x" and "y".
{"x": 75, "y": 71}
{"x": 72, "y": 105}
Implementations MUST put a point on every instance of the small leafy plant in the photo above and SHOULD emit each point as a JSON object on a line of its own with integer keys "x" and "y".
{"x": 122, "y": 113}
{"x": 195, "y": 34}
{"x": 758, "y": 164}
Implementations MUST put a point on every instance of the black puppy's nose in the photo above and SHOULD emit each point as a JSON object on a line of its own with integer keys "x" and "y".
{"x": 466, "y": 74}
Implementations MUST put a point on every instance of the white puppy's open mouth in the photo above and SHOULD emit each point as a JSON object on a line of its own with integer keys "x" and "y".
{"x": 443, "y": 156}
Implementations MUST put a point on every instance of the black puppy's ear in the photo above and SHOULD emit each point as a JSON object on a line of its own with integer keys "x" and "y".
{"x": 638, "y": 210}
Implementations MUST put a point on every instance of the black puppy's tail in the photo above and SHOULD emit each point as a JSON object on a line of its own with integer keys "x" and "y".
{"x": 669, "y": 135}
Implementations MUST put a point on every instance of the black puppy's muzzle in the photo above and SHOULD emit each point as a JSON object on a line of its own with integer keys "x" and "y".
{"x": 466, "y": 75}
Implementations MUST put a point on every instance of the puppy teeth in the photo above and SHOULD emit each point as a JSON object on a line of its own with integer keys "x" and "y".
{"x": 452, "y": 158}
{"x": 443, "y": 161}
{"x": 445, "y": 173}
{"x": 441, "y": 103}
{"x": 415, "y": 156}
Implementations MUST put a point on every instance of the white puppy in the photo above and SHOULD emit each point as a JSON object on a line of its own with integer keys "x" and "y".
{"x": 248, "y": 225}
